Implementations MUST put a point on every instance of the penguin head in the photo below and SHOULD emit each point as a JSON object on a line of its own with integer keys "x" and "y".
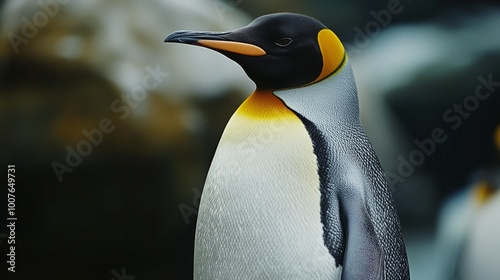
{"x": 277, "y": 51}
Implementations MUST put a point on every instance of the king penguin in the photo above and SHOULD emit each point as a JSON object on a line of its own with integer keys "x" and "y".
{"x": 295, "y": 190}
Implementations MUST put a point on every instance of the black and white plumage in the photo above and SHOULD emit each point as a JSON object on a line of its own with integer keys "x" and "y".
{"x": 295, "y": 190}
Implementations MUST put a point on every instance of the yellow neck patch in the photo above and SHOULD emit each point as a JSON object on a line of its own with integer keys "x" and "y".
{"x": 332, "y": 51}
{"x": 483, "y": 192}
{"x": 264, "y": 105}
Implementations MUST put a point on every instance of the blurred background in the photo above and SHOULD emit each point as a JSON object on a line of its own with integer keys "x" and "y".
{"x": 112, "y": 131}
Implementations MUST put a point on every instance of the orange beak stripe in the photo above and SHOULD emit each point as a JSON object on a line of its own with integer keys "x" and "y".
{"x": 234, "y": 47}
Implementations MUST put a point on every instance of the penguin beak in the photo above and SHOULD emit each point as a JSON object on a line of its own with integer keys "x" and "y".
{"x": 218, "y": 41}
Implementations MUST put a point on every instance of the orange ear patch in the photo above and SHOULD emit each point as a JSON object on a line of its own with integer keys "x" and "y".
{"x": 332, "y": 51}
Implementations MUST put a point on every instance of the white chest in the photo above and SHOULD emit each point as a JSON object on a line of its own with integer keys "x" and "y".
{"x": 259, "y": 215}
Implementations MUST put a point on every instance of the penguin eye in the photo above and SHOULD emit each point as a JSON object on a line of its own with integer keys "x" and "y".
{"x": 283, "y": 42}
